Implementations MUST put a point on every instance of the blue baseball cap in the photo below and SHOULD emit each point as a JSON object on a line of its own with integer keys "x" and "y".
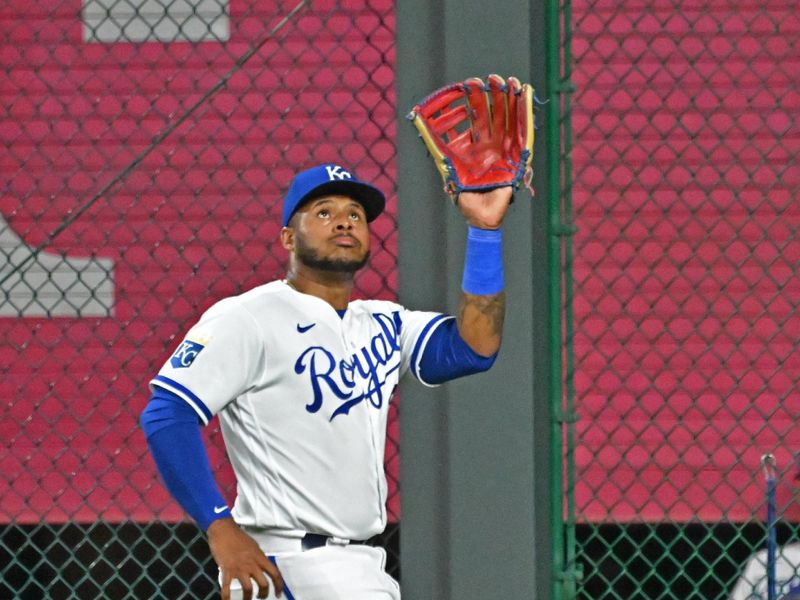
{"x": 324, "y": 180}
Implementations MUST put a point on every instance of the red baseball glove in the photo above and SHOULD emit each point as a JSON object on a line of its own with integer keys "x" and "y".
{"x": 480, "y": 134}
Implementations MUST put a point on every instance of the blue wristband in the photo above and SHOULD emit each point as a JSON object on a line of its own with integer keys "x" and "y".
{"x": 483, "y": 262}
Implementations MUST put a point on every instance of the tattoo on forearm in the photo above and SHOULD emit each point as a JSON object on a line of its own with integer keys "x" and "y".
{"x": 491, "y": 308}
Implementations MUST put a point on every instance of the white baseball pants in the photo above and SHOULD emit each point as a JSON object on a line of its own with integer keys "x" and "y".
{"x": 333, "y": 572}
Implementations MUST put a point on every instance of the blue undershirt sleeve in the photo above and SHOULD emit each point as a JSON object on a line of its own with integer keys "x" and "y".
{"x": 172, "y": 429}
{"x": 446, "y": 356}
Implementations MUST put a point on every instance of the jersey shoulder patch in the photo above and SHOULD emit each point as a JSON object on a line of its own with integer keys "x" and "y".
{"x": 185, "y": 354}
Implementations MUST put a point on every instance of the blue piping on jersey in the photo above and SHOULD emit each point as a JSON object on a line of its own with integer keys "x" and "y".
{"x": 180, "y": 389}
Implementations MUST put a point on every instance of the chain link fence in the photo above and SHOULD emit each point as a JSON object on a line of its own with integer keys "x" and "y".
{"x": 685, "y": 185}
{"x": 136, "y": 192}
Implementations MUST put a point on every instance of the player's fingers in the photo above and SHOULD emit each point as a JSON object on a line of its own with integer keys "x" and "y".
{"x": 271, "y": 569}
{"x": 262, "y": 583}
{"x": 225, "y": 586}
{"x": 247, "y": 587}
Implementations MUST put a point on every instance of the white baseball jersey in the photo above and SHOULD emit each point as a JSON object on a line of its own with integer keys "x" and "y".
{"x": 302, "y": 396}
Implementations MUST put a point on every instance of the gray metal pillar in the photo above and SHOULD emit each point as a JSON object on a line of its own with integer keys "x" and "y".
{"x": 474, "y": 452}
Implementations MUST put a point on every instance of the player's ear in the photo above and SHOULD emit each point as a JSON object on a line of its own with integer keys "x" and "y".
{"x": 287, "y": 238}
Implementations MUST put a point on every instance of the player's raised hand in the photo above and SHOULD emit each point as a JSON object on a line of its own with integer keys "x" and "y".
{"x": 485, "y": 210}
{"x": 239, "y": 557}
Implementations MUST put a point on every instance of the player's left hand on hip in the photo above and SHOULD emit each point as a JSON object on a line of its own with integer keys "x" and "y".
{"x": 239, "y": 557}
{"x": 485, "y": 210}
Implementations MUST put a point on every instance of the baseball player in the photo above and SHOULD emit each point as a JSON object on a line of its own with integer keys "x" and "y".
{"x": 301, "y": 378}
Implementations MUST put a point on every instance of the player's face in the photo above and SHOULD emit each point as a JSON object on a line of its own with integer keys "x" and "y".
{"x": 331, "y": 234}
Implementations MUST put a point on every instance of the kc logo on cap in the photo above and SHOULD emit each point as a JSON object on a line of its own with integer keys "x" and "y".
{"x": 336, "y": 172}
{"x": 331, "y": 179}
